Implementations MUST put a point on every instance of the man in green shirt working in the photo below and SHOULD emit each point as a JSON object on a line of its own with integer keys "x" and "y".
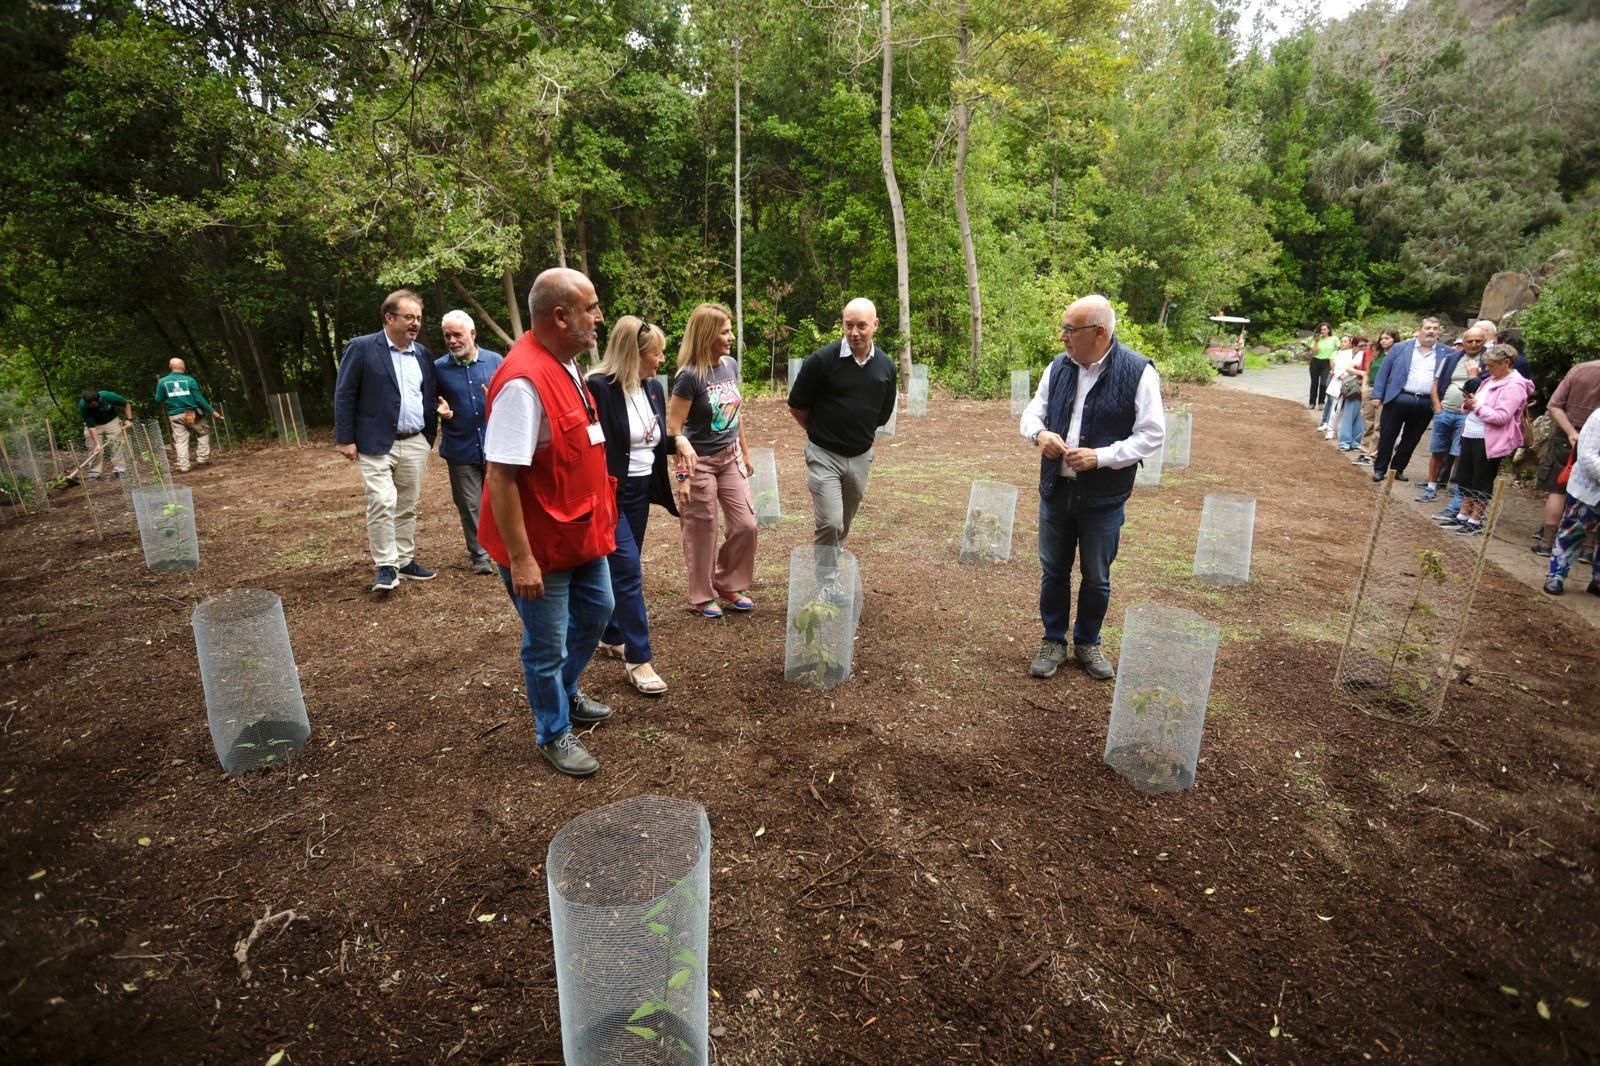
{"x": 187, "y": 410}
{"x": 103, "y": 413}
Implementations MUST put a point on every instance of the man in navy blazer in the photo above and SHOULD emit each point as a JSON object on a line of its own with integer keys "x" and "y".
{"x": 1403, "y": 393}
{"x": 386, "y": 408}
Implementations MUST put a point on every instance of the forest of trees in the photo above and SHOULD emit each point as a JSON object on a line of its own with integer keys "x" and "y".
{"x": 239, "y": 182}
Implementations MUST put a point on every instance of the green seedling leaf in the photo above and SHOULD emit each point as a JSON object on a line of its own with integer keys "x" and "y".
{"x": 657, "y": 928}
{"x": 660, "y": 905}
{"x": 277, "y": 1057}
{"x": 144, "y": 842}
{"x": 1508, "y": 990}
{"x": 646, "y": 1009}
{"x": 36, "y": 875}
{"x": 1581, "y": 1004}
{"x": 679, "y": 979}
{"x": 1544, "y": 1010}
{"x": 687, "y": 957}
{"x": 487, "y": 917}
{"x": 642, "y": 1032}
{"x": 129, "y": 986}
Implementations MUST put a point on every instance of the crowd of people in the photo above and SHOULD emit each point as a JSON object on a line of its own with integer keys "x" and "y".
{"x": 1470, "y": 402}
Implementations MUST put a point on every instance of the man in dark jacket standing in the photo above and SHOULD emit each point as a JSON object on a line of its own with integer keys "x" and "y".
{"x": 464, "y": 374}
{"x": 844, "y": 391}
{"x": 1096, "y": 415}
{"x": 386, "y": 408}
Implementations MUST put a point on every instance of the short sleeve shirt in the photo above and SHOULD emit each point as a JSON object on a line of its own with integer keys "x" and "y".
{"x": 713, "y": 421}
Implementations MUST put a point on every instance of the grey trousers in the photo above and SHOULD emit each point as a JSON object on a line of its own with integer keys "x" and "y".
{"x": 837, "y": 485}
{"x": 466, "y": 489}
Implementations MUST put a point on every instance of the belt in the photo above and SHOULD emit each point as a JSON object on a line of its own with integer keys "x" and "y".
{"x": 1421, "y": 395}
{"x": 407, "y": 436}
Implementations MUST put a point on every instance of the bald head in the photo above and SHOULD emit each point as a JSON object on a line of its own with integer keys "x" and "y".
{"x": 1086, "y": 327}
{"x": 175, "y": 365}
{"x": 860, "y": 326}
{"x": 565, "y": 312}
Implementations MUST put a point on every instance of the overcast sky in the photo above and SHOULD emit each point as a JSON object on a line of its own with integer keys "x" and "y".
{"x": 1283, "y": 14}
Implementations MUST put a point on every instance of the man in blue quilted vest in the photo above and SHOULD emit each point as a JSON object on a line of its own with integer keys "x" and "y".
{"x": 1096, "y": 415}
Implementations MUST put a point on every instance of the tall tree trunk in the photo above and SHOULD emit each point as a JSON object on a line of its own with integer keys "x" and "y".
{"x": 477, "y": 308}
{"x": 738, "y": 217}
{"x": 583, "y": 237}
{"x": 235, "y": 347}
{"x": 897, "y": 207}
{"x": 252, "y": 338}
{"x": 319, "y": 348}
{"x": 963, "y": 123}
{"x": 509, "y": 282}
{"x": 550, "y": 176}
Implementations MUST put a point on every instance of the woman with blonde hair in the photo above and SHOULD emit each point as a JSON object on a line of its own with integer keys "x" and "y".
{"x": 633, "y": 413}
{"x": 705, "y": 408}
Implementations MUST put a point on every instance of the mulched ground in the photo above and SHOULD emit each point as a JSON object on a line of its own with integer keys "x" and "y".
{"x": 930, "y": 863}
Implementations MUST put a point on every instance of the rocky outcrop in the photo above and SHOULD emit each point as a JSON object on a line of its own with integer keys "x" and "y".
{"x": 1508, "y": 290}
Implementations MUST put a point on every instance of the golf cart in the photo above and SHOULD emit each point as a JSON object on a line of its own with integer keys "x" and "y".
{"x": 1228, "y": 358}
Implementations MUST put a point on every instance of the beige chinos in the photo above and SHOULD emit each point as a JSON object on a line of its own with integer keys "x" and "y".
{"x": 393, "y": 486}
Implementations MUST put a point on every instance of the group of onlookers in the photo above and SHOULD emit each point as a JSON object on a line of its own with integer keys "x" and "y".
{"x": 1470, "y": 401}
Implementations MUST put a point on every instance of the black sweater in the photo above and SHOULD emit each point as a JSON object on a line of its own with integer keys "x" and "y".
{"x": 847, "y": 401}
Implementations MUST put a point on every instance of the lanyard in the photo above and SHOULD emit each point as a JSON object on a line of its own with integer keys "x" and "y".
{"x": 647, "y": 417}
{"x": 583, "y": 394}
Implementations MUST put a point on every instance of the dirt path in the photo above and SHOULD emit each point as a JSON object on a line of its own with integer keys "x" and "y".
{"x": 928, "y": 864}
{"x": 1521, "y": 515}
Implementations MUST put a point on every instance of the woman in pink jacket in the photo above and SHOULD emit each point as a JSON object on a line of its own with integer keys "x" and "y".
{"x": 1493, "y": 430}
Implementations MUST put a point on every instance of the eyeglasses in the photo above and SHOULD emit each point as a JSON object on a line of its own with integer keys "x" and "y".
{"x": 405, "y": 318}
{"x": 1067, "y": 331}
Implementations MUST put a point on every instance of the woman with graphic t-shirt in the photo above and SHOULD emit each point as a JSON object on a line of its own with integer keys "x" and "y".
{"x": 705, "y": 408}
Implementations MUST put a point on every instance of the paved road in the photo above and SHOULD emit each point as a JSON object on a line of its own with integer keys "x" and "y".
{"x": 1508, "y": 549}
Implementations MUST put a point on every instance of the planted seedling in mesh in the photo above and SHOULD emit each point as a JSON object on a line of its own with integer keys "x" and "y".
{"x": 817, "y": 665}
{"x": 657, "y": 1021}
{"x": 261, "y": 740}
{"x": 983, "y": 540}
{"x": 1155, "y": 762}
{"x": 1408, "y": 670}
{"x": 766, "y": 501}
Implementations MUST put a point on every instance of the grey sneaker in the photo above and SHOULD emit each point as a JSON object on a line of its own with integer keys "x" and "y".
{"x": 588, "y": 711}
{"x": 1093, "y": 661}
{"x": 483, "y": 566}
{"x": 1051, "y": 656}
{"x": 567, "y": 754}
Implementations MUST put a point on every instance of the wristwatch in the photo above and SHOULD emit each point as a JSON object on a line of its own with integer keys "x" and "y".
{"x": 1035, "y": 437}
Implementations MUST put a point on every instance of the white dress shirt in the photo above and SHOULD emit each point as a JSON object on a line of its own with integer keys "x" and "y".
{"x": 1149, "y": 421}
{"x": 1424, "y": 364}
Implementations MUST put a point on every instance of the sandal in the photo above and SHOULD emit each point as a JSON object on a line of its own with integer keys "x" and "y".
{"x": 609, "y": 651}
{"x": 740, "y": 602}
{"x": 650, "y": 686}
{"x": 709, "y": 609}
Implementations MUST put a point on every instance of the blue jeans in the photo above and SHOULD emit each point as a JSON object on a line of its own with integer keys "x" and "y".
{"x": 559, "y": 632}
{"x": 629, "y": 626}
{"x": 1351, "y": 424}
{"x": 1067, "y": 529}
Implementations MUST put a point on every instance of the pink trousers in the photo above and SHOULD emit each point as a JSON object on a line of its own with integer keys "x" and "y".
{"x": 714, "y": 571}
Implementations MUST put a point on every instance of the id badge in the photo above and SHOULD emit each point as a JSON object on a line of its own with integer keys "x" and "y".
{"x": 596, "y": 434}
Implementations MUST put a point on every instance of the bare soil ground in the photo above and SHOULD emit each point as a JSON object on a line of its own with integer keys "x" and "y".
{"x": 947, "y": 872}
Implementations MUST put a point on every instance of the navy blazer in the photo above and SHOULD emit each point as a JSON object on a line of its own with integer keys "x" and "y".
{"x": 366, "y": 397}
{"x": 613, "y": 411}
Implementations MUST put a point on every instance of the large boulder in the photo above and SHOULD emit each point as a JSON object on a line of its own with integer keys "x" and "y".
{"x": 1508, "y": 290}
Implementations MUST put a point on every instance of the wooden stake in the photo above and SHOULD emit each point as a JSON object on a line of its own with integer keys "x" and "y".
{"x": 17, "y": 500}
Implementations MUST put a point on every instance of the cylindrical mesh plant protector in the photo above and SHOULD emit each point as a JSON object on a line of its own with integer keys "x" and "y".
{"x": 917, "y": 397}
{"x": 253, "y": 701}
{"x": 287, "y": 420}
{"x": 1176, "y": 451}
{"x": 166, "y": 527}
{"x": 1158, "y": 711}
{"x": 1227, "y": 528}
{"x": 1021, "y": 392}
{"x": 1410, "y": 612}
{"x": 1149, "y": 475}
{"x": 824, "y": 607}
{"x": 630, "y": 915}
{"x": 146, "y": 451}
{"x": 919, "y": 371}
{"x": 764, "y": 486}
{"x": 27, "y": 478}
{"x": 887, "y": 429}
{"x": 661, "y": 379}
{"x": 991, "y": 516}
{"x": 794, "y": 372}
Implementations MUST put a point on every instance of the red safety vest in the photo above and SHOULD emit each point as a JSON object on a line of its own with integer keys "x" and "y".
{"x": 569, "y": 501}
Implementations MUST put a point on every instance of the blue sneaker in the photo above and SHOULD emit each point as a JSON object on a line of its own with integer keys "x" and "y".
{"x": 1428, "y": 495}
{"x": 388, "y": 578}
{"x": 415, "y": 571}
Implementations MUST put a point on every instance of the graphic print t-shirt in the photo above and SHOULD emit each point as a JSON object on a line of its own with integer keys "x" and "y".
{"x": 713, "y": 421}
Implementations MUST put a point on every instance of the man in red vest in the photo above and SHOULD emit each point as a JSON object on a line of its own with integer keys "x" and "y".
{"x": 550, "y": 512}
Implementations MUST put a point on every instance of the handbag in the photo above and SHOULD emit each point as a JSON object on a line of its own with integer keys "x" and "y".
{"x": 1350, "y": 386}
{"x": 1566, "y": 471}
